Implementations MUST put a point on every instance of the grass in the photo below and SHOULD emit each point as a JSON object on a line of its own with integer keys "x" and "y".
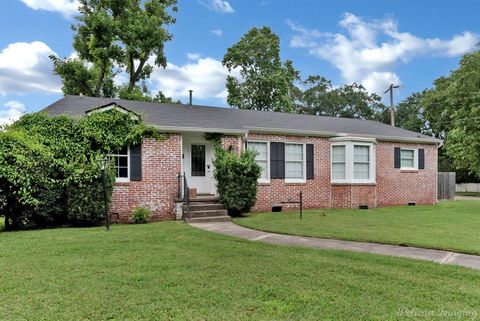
{"x": 171, "y": 271}
{"x": 450, "y": 225}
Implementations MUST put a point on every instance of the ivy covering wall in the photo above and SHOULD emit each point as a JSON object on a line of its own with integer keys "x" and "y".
{"x": 49, "y": 174}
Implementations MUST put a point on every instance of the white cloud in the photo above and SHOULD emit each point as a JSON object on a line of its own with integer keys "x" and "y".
{"x": 67, "y": 8}
{"x": 205, "y": 76}
{"x": 193, "y": 56}
{"x": 11, "y": 111}
{"x": 368, "y": 51}
{"x": 221, "y": 6}
{"x": 217, "y": 32}
{"x": 25, "y": 68}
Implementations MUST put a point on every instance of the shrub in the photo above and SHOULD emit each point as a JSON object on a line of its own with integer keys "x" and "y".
{"x": 237, "y": 177}
{"x": 140, "y": 215}
{"x": 48, "y": 170}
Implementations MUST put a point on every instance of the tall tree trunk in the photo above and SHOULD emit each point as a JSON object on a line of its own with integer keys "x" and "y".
{"x": 100, "y": 79}
{"x": 135, "y": 73}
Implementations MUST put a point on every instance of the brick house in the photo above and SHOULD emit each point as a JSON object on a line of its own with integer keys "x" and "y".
{"x": 335, "y": 162}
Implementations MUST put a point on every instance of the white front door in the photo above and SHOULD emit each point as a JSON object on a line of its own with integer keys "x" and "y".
{"x": 198, "y": 156}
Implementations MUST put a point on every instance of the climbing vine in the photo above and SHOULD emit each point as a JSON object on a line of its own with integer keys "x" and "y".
{"x": 49, "y": 175}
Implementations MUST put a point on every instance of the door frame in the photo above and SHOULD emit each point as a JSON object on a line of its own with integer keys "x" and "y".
{"x": 204, "y": 184}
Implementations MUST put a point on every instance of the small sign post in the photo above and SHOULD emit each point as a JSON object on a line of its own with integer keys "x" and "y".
{"x": 300, "y": 201}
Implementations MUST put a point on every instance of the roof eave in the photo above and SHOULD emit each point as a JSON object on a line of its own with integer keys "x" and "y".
{"x": 266, "y": 130}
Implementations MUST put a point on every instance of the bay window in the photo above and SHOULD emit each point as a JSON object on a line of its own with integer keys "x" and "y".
{"x": 261, "y": 158}
{"x": 361, "y": 162}
{"x": 352, "y": 161}
{"x": 338, "y": 162}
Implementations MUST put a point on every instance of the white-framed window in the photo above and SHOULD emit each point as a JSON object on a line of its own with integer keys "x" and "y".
{"x": 338, "y": 162}
{"x": 361, "y": 162}
{"x": 262, "y": 158}
{"x": 295, "y": 165}
{"x": 121, "y": 162}
{"x": 408, "y": 158}
{"x": 352, "y": 161}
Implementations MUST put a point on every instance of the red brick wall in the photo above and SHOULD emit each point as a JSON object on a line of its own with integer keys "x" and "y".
{"x": 396, "y": 187}
{"x": 161, "y": 163}
{"x": 316, "y": 192}
{"x": 234, "y": 141}
{"x": 393, "y": 186}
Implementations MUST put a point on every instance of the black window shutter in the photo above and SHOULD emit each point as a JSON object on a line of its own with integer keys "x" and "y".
{"x": 136, "y": 162}
{"x": 397, "y": 157}
{"x": 421, "y": 158}
{"x": 310, "y": 161}
{"x": 277, "y": 160}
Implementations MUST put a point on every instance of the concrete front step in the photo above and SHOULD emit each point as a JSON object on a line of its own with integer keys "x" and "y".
{"x": 208, "y": 213}
{"x": 209, "y": 219}
{"x": 208, "y": 198}
{"x": 201, "y": 206}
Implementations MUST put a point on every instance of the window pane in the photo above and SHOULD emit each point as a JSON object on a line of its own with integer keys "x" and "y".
{"x": 263, "y": 166}
{"x": 338, "y": 171}
{"x": 261, "y": 149}
{"x": 338, "y": 153}
{"x": 407, "y": 158}
{"x": 293, "y": 152}
{"x": 123, "y": 172}
{"x": 261, "y": 157}
{"x": 198, "y": 160}
{"x": 293, "y": 170}
{"x": 294, "y": 161}
{"x": 361, "y": 153}
{"x": 122, "y": 161}
{"x": 361, "y": 171}
{"x": 407, "y": 163}
{"x": 407, "y": 153}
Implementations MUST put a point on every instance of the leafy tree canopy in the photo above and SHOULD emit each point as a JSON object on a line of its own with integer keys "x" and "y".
{"x": 351, "y": 101}
{"x": 267, "y": 82}
{"x": 116, "y": 36}
{"x": 454, "y": 106}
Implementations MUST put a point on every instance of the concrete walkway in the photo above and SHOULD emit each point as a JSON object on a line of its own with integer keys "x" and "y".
{"x": 442, "y": 257}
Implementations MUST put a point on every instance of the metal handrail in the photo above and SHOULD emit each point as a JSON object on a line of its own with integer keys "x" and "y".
{"x": 186, "y": 197}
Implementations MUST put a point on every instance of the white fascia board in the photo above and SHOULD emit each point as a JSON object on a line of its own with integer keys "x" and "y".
{"x": 299, "y": 132}
{"x": 181, "y": 129}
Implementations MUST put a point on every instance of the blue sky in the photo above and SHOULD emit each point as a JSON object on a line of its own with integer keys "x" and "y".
{"x": 370, "y": 42}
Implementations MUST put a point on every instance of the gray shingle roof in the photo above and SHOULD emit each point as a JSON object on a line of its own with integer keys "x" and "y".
{"x": 175, "y": 117}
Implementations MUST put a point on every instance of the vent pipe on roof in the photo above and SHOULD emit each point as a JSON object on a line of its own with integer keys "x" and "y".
{"x": 190, "y": 92}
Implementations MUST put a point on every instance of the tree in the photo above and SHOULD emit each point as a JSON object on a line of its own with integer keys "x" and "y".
{"x": 267, "y": 82}
{"x": 456, "y": 101}
{"x": 409, "y": 114}
{"x": 116, "y": 36}
{"x": 351, "y": 101}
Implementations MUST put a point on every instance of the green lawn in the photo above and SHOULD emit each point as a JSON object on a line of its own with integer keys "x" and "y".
{"x": 450, "y": 225}
{"x": 171, "y": 271}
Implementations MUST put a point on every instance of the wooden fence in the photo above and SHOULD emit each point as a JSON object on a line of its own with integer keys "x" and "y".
{"x": 468, "y": 187}
{"x": 446, "y": 185}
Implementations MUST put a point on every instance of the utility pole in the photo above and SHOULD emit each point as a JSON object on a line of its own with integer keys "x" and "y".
{"x": 392, "y": 108}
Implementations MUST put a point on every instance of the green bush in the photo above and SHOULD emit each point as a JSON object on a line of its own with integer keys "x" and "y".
{"x": 48, "y": 171}
{"x": 237, "y": 180}
{"x": 140, "y": 215}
